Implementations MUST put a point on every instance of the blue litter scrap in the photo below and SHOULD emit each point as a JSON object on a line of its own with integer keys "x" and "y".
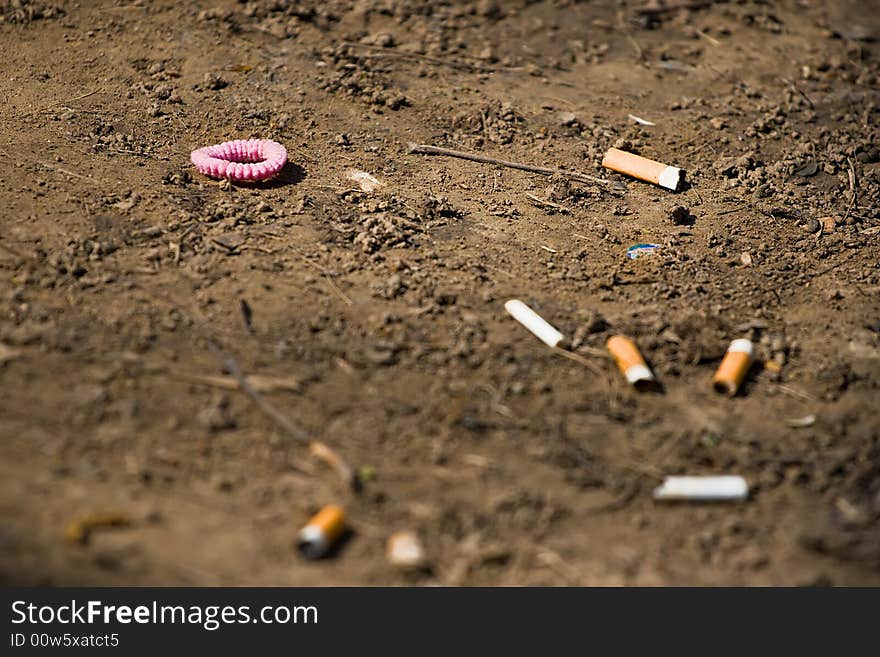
{"x": 640, "y": 250}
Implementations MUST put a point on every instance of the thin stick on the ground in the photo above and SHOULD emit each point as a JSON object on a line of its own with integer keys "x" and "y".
{"x": 60, "y": 102}
{"x": 577, "y": 358}
{"x": 316, "y": 447}
{"x": 259, "y": 383}
{"x": 794, "y": 392}
{"x": 798, "y": 90}
{"x": 640, "y": 54}
{"x": 853, "y": 186}
{"x": 498, "y": 269}
{"x": 654, "y": 10}
{"x": 595, "y": 369}
{"x": 67, "y": 172}
{"x": 425, "y": 58}
{"x": 622, "y": 22}
{"x": 329, "y": 280}
{"x": 628, "y": 495}
{"x": 295, "y": 432}
{"x": 822, "y": 272}
{"x": 425, "y": 149}
{"x": 736, "y": 209}
{"x": 546, "y": 203}
{"x": 13, "y": 252}
{"x": 713, "y": 41}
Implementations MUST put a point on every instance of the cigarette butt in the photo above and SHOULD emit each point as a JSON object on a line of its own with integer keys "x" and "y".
{"x": 734, "y": 365}
{"x": 80, "y": 529}
{"x": 643, "y": 168}
{"x": 404, "y": 550}
{"x": 533, "y": 322}
{"x": 727, "y": 487}
{"x": 629, "y": 360}
{"x": 321, "y": 532}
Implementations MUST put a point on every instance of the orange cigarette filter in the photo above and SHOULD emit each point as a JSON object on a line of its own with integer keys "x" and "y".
{"x": 734, "y": 366}
{"x": 644, "y": 169}
{"x": 321, "y": 532}
{"x": 629, "y": 360}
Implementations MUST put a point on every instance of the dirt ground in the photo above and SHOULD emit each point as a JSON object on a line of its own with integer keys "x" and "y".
{"x": 376, "y": 319}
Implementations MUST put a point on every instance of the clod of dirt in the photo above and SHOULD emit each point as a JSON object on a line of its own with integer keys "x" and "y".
{"x": 178, "y": 177}
{"x": 680, "y": 215}
{"x": 439, "y": 207}
{"x": 25, "y": 11}
{"x": 568, "y": 119}
{"x": 392, "y": 288}
{"x": 811, "y": 168}
{"x": 382, "y": 40}
{"x": 827, "y": 224}
{"x": 498, "y": 122}
{"x": 229, "y": 241}
{"x": 214, "y": 82}
{"x": 868, "y": 154}
{"x": 356, "y": 76}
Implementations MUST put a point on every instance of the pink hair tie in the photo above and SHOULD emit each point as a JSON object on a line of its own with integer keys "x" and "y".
{"x": 242, "y": 159}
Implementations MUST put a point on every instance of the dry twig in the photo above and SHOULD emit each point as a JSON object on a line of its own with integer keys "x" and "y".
{"x": 424, "y": 149}
{"x": 546, "y": 203}
{"x": 853, "y": 188}
{"x": 319, "y": 449}
{"x": 658, "y": 9}
{"x": 327, "y": 277}
{"x": 60, "y": 102}
{"x": 316, "y": 447}
{"x": 477, "y": 68}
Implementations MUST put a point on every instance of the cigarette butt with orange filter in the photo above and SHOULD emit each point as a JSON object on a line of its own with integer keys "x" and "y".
{"x": 734, "y": 365}
{"x": 321, "y": 532}
{"x": 643, "y": 168}
{"x": 629, "y": 360}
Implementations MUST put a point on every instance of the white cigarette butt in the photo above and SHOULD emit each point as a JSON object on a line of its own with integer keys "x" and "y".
{"x": 670, "y": 178}
{"x": 727, "y": 487}
{"x": 533, "y": 322}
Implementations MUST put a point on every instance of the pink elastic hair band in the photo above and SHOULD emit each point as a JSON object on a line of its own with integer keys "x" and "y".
{"x": 242, "y": 159}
